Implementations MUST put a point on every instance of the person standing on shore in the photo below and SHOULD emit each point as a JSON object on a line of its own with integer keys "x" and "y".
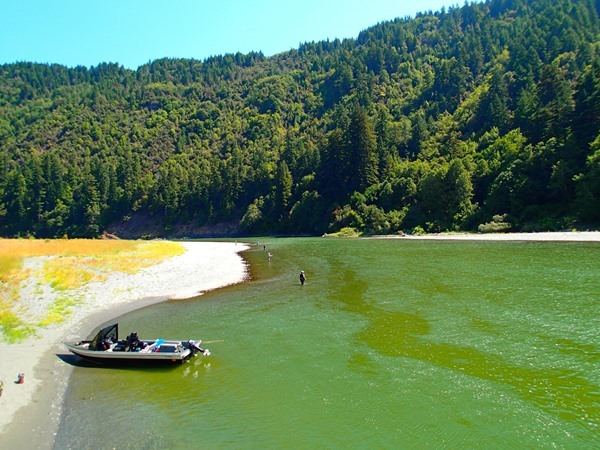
{"x": 302, "y": 277}
{"x": 1, "y": 387}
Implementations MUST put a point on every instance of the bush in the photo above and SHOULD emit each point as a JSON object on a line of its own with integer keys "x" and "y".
{"x": 346, "y": 217}
{"x": 497, "y": 225}
{"x": 418, "y": 231}
{"x": 344, "y": 232}
{"x": 253, "y": 216}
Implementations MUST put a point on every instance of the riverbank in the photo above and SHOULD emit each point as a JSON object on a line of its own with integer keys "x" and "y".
{"x": 31, "y": 411}
{"x": 564, "y": 236}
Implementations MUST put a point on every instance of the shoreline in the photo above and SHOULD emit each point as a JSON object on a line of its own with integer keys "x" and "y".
{"x": 31, "y": 411}
{"x": 550, "y": 236}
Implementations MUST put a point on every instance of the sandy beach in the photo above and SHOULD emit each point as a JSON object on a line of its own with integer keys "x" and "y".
{"x": 30, "y": 412}
{"x": 559, "y": 236}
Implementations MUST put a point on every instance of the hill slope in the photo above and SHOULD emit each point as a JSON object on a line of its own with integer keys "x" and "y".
{"x": 487, "y": 114}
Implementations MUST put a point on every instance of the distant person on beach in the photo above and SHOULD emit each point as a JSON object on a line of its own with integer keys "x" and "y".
{"x": 269, "y": 256}
{"x": 302, "y": 277}
{"x": 1, "y": 387}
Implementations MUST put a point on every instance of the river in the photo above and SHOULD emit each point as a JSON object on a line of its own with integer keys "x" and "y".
{"x": 389, "y": 344}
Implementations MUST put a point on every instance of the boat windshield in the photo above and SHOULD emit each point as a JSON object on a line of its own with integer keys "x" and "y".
{"x": 109, "y": 333}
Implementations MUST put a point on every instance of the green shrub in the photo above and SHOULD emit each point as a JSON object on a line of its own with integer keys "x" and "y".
{"x": 497, "y": 225}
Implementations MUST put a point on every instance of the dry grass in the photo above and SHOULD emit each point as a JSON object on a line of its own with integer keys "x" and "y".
{"x": 59, "y": 310}
{"x": 71, "y": 265}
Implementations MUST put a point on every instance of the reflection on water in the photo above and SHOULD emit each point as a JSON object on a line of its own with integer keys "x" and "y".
{"x": 390, "y": 343}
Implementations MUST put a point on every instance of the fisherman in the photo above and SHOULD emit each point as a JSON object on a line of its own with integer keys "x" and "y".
{"x": 302, "y": 277}
{"x": 133, "y": 341}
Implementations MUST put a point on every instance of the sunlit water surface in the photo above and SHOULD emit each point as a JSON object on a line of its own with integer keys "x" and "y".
{"x": 390, "y": 344}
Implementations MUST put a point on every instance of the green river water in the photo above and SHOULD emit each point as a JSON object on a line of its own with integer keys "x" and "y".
{"x": 390, "y": 344}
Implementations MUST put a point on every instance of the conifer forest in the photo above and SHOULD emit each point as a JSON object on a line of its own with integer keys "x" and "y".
{"x": 481, "y": 117}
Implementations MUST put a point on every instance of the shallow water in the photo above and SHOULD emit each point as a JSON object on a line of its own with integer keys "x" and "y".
{"x": 390, "y": 344}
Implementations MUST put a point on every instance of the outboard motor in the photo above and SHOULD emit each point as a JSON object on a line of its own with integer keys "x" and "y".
{"x": 196, "y": 348}
{"x": 193, "y": 346}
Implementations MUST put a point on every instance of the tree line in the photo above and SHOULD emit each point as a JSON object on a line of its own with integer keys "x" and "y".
{"x": 485, "y": 116}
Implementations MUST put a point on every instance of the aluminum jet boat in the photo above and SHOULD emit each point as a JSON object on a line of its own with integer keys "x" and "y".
{"x": 107, "y": 348}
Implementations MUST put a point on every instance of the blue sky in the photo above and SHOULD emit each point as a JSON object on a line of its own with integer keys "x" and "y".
{"x": 133, "y": 32}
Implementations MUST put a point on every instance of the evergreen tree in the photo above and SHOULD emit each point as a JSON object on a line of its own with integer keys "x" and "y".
{"x": 362, "y": 151}
{"x": 586, "y": 121}
{"x": 283, "y": 191}
{"x": 333, "y": 168}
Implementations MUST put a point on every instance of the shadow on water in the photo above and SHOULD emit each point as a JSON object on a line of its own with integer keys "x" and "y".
{"x": 403, "y": 335}
{"x": 76, "y": 361}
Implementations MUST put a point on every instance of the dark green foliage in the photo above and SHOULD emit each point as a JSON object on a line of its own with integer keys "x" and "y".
{"x": 588, "y": 186}
{"x": 445, "y": 121}
{"x": 362, "y": 167}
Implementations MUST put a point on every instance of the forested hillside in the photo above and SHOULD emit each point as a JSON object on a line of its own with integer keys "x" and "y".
{"x": 482, "y": 116}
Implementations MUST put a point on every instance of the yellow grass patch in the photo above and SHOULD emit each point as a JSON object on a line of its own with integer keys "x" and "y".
{"x": 73, "y": 264}
{"x": 68, "y": 273}
{"x": 57, "y": 313}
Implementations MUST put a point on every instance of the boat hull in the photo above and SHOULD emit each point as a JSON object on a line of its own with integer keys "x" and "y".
{"x": 116, "y": 358}
{"x": 106, "y": 348}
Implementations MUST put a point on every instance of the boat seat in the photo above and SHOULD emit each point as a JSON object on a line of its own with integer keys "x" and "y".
{"x": 167, "y": 348}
